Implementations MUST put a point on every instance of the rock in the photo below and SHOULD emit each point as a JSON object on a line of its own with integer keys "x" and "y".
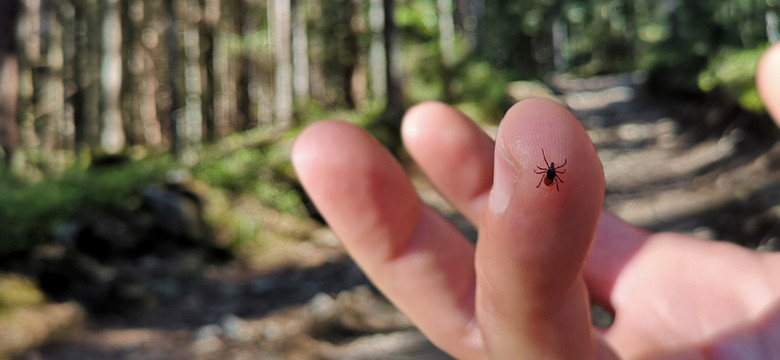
{"x": 233, "y": 327}
{"x": 106, "y": 237}
{"x": 322, "y": 307}
{"x": 26, "y": 327}
{"x": 179, "y": 214}
{"x": 206, "y": 339}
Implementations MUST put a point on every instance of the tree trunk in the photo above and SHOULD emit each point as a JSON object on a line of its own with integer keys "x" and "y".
{"x": 376, "y": 55}
{"x": 30, "y": 59}
{"x": 9, "y": 77}
{"x": 147, "y": 88}
{"x": 772, "y": 32}
{"x": 223, "y": 87}
{"x": 446, "y": 33}
{"x": 395, "y": 107}
{"x": 243, "y": 117}
{"x": 469, "y": 18}
{"x": 283, "y": 92}
{"x": 317, "y": 55}
{"x": 132, "y": 14}
{"x": 446, "y": 45}
{"x": 348, "y": 51}
{"x": 112, "y": 137}
{"x": 139, "y": 84}
{"x": 211, "y": 15}
{"x": 559, "y": 39}
{"x": 300, "y": 40}
{"x": 50, "y": 104}
{"x": 86, "y": 98}
{"x": 174, "y": 79}
{"x": 193, "y": 131}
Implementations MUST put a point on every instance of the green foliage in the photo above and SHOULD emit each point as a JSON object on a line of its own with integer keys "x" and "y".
{"x": 263, "y": 172}
{"x": 29, "y": 213}
{"x": 418, "y": 17}
{"x": 309, "y": 112}
{"x": 254, "y": 165}
{"x": 480, "y": 90}
{"x": 733, "y": 72}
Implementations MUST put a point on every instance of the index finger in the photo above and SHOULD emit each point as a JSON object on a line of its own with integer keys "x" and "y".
{"x": 410, "y": 252}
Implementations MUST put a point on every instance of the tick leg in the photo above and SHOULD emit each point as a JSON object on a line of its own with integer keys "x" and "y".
{"x": 540, "y": 172}
{"x": 559, "y": 178}
{"x": 556, "y": 185}
{"x": 564, "y": 164}
{"x": 541, "y": 168}
{"x": 545, "y": 158}
{"x": 560, "y": 171}
{"x": 540, "y": 181}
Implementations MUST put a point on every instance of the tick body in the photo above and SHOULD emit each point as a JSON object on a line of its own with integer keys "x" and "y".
{"x": 550, "y": 173}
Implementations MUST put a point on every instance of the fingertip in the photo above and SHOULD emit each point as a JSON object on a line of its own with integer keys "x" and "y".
{"x": 453, "y": 151}
{"x": 767, "y": 75}
{"x": 413, "y": 124}
{"x": 349, "y": 175}
{"x": 433, "y": 119}
{"x": 538, "y": 132}
{"x": 313, "y": 139}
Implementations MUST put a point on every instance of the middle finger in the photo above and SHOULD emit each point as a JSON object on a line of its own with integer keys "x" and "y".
{"x": 454, "y": 152}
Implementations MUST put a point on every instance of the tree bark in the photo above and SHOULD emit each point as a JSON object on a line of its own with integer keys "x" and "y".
{"x": 394, "y": 73}
{"x": 283, "y": 92}
{"x": 317, "y": 54}
{"x": 446, "y": 45}
{"x": 376, "y": 55}
{"x": 174, "y": 79}
{"x": 446, "y": 33}
{"x": 112, "y": 137}
{"x": 211, "y": 14}
{"x": 193, "y": 83}
{"x": 50, "y": 102}
{"x": 9, "y": 78}
{"x": 30, "y": 59}
{"x": 86, "y": 98}
{"x": 300, "y": 40}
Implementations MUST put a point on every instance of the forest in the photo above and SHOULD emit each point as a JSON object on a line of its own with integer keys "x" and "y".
{"x": 173, "y": 119}
{"x": 87, "y": 77}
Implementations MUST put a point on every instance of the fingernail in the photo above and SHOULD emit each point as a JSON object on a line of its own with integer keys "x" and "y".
{"x": 504, "y": 179}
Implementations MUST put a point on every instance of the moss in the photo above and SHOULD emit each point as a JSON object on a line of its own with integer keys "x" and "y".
{"x": 18, "y": 291}
{"x": 30, "y": 212}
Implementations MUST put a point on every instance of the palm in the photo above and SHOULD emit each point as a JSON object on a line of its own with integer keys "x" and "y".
{"x": 682, "y": 296}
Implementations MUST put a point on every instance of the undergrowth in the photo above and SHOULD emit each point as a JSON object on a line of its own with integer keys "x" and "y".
{"x": 252, "y": 164}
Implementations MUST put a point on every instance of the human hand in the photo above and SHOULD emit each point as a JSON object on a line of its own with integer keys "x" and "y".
{"x": 523, "y": 291}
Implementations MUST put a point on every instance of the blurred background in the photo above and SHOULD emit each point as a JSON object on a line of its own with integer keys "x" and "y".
{"x": 148, "y": 208}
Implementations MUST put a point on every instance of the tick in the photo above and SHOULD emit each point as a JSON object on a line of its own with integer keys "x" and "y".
{"x": 550, "y": 173}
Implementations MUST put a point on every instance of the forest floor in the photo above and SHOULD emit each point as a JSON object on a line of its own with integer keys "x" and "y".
{"x": 305, "y": 299}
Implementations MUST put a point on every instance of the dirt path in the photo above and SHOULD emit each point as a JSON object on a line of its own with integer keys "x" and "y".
{"x": 662, "y": 176}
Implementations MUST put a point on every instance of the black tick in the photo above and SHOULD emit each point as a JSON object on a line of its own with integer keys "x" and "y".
{"x": 550, "y": 173}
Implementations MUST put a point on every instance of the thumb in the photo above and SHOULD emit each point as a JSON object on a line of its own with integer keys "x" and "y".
{"x": 536, "y": 231}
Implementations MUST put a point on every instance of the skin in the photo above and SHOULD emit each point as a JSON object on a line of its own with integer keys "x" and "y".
{"x": 524, "y": 290}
